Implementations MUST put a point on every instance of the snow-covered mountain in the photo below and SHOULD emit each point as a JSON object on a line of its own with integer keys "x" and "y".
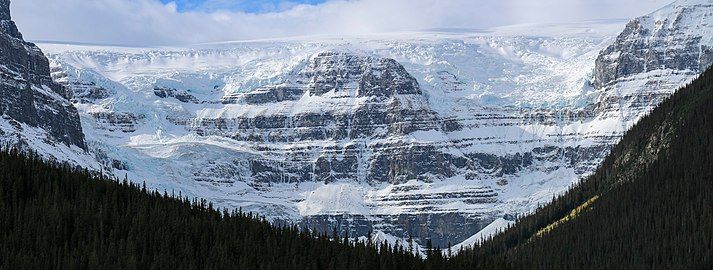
{"x": 423, "y": 135}
{"x": 431, "y": 135}
{"x": 653, "y": 56}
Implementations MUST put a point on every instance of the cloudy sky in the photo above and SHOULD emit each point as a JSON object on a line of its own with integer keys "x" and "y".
{"x": 175, "y": 22}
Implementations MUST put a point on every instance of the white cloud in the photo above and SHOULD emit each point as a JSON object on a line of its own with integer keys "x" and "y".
{"x": 149, "y": 22}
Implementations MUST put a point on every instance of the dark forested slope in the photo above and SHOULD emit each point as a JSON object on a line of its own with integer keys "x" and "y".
{"x": 53, "y": 217}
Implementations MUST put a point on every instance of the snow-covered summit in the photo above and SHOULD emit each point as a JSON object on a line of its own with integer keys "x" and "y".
{"x": 680, "y": 3}
{"x": 697, "y": 13}
{"x": 653, "y": 56}
{"x": 678, "y": 37}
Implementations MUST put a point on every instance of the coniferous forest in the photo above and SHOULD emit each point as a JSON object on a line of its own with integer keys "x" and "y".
{"x": 54, "y": 217}
{"x": 649, "y": 206}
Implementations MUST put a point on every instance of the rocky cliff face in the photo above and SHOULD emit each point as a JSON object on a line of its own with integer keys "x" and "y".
{"x": 341, "y": 104}
{"x": 28, "y": 96}
{"x": 677, "y": 37}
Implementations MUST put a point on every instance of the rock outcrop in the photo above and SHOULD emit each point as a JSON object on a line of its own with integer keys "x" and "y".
{"x": 654, "y": 55}
{"x": 27, "y": 93}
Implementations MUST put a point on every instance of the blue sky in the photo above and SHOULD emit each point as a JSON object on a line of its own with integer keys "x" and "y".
{"x": 248, "y": 6}
{"x": 180, "y": 22}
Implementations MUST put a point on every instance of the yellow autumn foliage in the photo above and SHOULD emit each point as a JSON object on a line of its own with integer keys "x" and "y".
{"x": 568, "y": 217}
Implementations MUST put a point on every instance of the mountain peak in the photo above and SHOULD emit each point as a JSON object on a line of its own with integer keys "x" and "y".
{"x": 677, "y": 37}
{"x": 6, "y": 23}
{"x": 677, "y": 8}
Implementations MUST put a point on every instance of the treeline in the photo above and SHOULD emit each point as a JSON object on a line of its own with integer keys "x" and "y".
{"x": 56, "y": 217}
{"x": 649, "y": 205}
